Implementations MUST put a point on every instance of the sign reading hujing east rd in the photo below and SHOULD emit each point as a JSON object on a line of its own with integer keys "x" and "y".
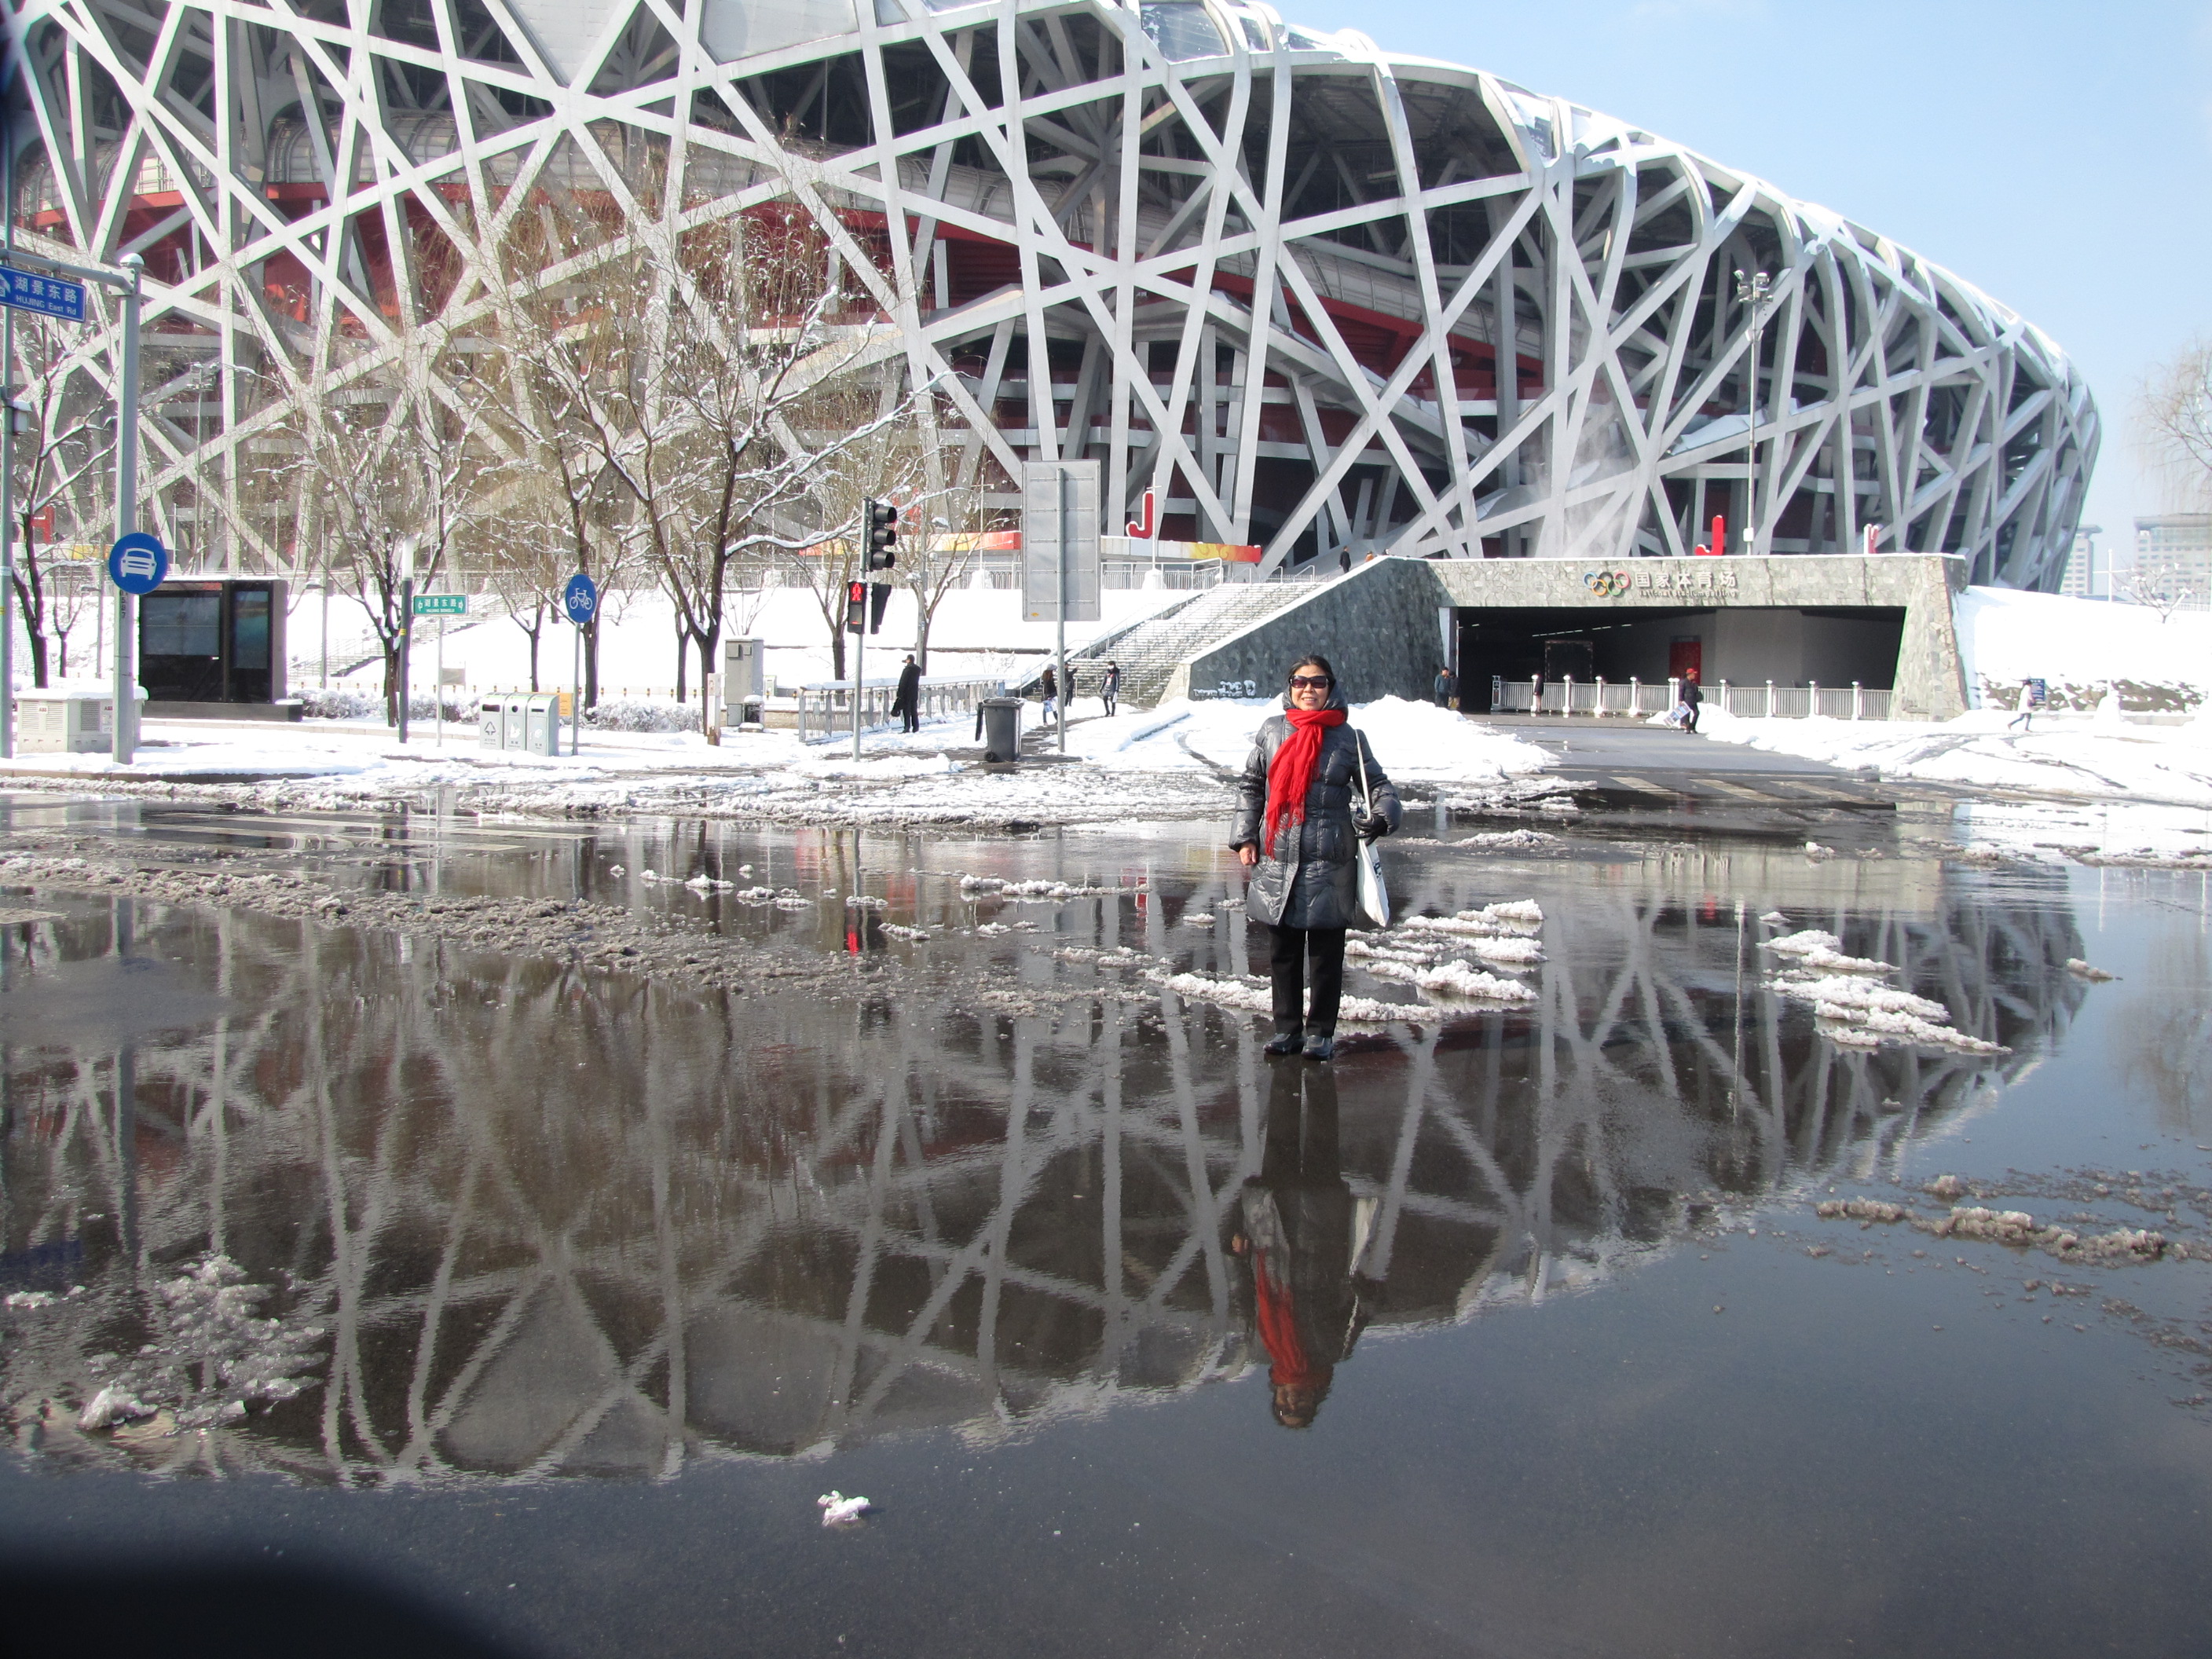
{"x": 442, "y": 605}
{"x": 51, "y": 296}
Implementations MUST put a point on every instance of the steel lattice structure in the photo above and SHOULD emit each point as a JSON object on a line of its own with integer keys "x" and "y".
{"x": 1314, "y": 295}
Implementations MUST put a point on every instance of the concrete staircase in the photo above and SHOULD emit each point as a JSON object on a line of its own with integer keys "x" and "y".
{"x": 1149, "y": 651}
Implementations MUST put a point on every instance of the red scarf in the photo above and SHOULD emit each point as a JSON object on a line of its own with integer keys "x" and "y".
{"x": 1290, "y": 774}
{"x": 1278, "y": 1328}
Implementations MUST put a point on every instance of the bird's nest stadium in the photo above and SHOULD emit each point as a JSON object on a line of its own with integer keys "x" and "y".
{"x": 1315, "y": 296}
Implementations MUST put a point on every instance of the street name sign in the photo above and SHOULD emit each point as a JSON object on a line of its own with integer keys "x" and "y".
{"x": 51, "y": 296}
{"x": 442, "y": 605}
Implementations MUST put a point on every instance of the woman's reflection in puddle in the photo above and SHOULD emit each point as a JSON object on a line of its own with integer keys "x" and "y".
{"x": 1302, "y": 1234}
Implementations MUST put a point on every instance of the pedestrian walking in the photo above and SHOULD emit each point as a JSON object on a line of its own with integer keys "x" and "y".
{"x": 1050, "y": 686}
{"x": 1691, "y": 699}
{"x": 905, "y": 701}
{"x": 1297, "y": 829}
{"x": 1446, "y": 687}
{"x": 1294, "y": 1232}
{"x": 1109, "y": 689}
{"x": 2034, "y": 695}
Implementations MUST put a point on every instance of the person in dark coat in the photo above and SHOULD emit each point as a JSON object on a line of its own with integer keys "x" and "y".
{"x": 1049, "y": 685}
{"x": 907, "y": 701}
{"x": 1298, "y": 822}
{"x": 1691, "y": 698}
{"x": 1109, "y": 689}
{"x": 1295, "y": 1231}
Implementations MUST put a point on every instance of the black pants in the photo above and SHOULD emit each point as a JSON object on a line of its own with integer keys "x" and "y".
{"x": 913, "y": 719}
{"x": 1691, "y": 724}
{"x": 1294, "y": 949}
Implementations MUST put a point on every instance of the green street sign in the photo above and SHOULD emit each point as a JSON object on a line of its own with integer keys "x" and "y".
{"x": 442, "y": 605}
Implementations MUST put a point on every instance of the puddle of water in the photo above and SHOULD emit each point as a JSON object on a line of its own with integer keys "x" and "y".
{"x": 569, "y": 1291}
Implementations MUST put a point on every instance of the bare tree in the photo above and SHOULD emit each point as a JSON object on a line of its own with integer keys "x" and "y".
{"x": 393, "y": 478}
{"x": 727, "y": 407}
{"x": 63, "y": 465}
{"x": 2159, "y": 589}
{"x": 2173, "y": 420}
{"x": 949, "y": 526}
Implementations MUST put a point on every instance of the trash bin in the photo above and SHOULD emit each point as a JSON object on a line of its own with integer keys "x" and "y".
{"x": 512, "y": 724}
{"x": 491, "y": 723}
{"x": 1001, "y": 721}
{"x": 542, "y": 730}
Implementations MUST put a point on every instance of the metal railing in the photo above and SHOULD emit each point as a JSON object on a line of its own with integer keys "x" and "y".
{"x": 1635, "y": 699}
{"x": 825, "y": 706}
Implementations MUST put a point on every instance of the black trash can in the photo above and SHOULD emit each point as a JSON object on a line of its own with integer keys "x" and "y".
{"x": 1000, "y": 721}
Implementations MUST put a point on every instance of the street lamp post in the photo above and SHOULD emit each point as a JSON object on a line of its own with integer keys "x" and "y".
{"x": 1755, "y": 291}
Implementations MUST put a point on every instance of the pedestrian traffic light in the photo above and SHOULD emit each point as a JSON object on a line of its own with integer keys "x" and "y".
{"x": 881, "y": 522}
{"x": 879, "y": 595}
{"x": 856, "y": 606}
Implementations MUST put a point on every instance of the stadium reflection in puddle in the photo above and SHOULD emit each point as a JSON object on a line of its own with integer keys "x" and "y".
{"x": 503, "y": 1217}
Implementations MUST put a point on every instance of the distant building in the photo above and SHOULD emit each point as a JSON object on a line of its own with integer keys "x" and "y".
{"x": 2086, "y": 576}
{"x": 2174, "y": 555}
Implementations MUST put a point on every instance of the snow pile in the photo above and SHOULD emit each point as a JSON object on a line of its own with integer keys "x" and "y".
{"x": 1851, "y": 1006}
{"x": 642, "y": 714}
{"x": 2168, "y": 763}
{"x": 207, "y": 1355}
{"x": 1251, "y": 999}
{"x": 2078, "y": 647}
{"x": 1823, "y": 953}
{"x": 1453, "y": 979}
{"x": 1032, "y": 892}
{"x": 1510, "y": 840}
{"x": 1515, "y": 919}
{"x": 1407, "y": 740}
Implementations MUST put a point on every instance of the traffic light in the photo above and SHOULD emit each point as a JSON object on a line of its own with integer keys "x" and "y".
{"x": 856, "y": 606}
{"x": 882, "y": 523}
{"x": 879, "y": 595}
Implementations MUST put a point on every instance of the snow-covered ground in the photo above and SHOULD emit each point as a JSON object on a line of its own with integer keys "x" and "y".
{"x": 1169, "y": 761}
{"x": 2078, "y": 647}
{"x": 2090, "y": 759}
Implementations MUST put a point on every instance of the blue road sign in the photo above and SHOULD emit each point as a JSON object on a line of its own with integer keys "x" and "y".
{"x": 54, "y": 296}
{"x": 138, "y": 563}
{"x": 582, "y": 597}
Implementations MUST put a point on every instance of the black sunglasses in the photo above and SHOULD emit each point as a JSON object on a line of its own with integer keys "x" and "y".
{"x": 1319, "y": 681}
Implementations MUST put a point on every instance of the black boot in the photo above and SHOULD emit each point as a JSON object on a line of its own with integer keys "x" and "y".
{"x": 1287, "y": 1040}
{"x": 1321, "y": 1045}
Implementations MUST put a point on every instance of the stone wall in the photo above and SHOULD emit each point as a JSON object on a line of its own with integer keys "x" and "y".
{"x": 1378, "y": 627}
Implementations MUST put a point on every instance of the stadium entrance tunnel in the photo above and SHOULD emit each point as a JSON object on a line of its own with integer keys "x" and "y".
{"x": 1886, "y": 622}
{"x": 1786, "y": 646}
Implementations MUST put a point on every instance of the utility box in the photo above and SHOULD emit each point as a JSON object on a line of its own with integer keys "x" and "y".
{"x": 513, "y": 736}
{"x": 745, "y": 682}
{"x": 542, "y": 724}
{"x": 64, "y": 722}
{"x": 491, "y": 723}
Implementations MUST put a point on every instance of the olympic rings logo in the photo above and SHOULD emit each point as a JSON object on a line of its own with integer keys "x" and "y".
{"x": 1607, "y": 584}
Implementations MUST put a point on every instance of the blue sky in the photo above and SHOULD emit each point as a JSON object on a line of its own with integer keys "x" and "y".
{"x": 2057, "y": 155}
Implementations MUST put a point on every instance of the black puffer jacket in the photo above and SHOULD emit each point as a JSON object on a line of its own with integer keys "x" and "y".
{"x": 1308, "y": 878}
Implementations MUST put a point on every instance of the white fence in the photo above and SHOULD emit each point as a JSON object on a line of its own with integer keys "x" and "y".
{"x": 1635, "y": 699}
{"x": 825, "y": 708}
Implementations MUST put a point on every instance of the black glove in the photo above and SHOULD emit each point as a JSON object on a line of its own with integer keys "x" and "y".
{"x": 1370, "y": 826}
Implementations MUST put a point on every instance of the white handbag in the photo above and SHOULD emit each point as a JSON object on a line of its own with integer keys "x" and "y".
{"x": 1374, "y": 893}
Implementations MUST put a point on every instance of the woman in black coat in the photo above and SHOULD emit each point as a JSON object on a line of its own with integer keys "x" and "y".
{"x": 1299, "y": 821}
